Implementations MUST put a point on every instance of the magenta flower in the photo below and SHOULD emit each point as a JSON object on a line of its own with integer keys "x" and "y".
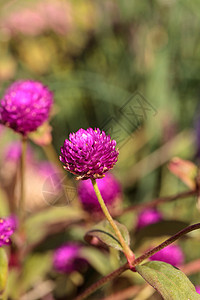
{"x": 67, "y": 259}
{"x": 7, "y": 228}
{"x": 110, "y": 190}
{"x": 12, "y": 221}
{"x": 89, "y": 153}
{"x": 147, "y": 217}
{"x": 171, "y": 254}
{"x": 197, "y": 289}
{"x": 25, "y": 106}
{"x": 12, "y": 152}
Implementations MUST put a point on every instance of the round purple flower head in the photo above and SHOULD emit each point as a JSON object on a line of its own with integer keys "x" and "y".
{"x": 197, "y": 289}
{"x": 147, "y": 217}
{"x": 89, "y": 153}
{"x": 110, "y": 190}
{"x": 7, "y": 227}
{"x": 171, "y": 254}
{"x": 25, "y": 106}
{"x": 67, "y": 258}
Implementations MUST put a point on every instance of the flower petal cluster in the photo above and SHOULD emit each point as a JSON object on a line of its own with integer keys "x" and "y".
{"x": 25, "y": 106}
{"x": 147, "y": 217}
{"x": 89, "y": 153}
{"x": 7, "y": 228}
{"x": 110, "y": 190}
{"x": 67, "y": 258}
{"x": 197, "y": 289}
{"x": 171, "y": 254}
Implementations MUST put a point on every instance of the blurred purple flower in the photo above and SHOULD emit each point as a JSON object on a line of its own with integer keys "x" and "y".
{"x": 12, "y": 221}
{"x": 110, "y": 190}
{"x": 7, "y": 228}
{"x": 89, "y": 153}
{"x": 25, "y": 106}
{"x": 197, "y": 289}
{"x": 57, "y": 15}
{"x": 67, "y": 258}
{"x": 19, "y": 21}
{"x": 171, "y": 254}
{"x": 12, "y": 152}
{"x": 37, "y": 174}
{"x": 35, "y": 18}
{"x": 46, "y": 169}
{"x": 9, "y": 162}
{"x": 147, "y": 217}
{"x": 40, "y": 190}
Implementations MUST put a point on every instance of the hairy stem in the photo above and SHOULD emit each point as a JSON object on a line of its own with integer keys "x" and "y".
{"x": 166, "y": 243}
{"x": 137, "y": 261}
{"x": 102, "y": 281}
{"x": 127, "y": 251}
{"x": 158, "y": 201}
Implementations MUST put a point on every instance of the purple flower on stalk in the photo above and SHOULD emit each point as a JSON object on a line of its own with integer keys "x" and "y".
{"x": 110, "y": 190}
{"x": 7, "y": 228}
{"x": 89, "y": 153}
{"x": 67, "y": 259}
{"x": 147, "y": 217}
{"x": 171, "y": 254}
{"x": 25, "y": 106}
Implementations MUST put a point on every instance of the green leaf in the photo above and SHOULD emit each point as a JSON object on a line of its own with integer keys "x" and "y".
{"x": 36, "y": 267}
{"x": 105, "y": 233}
{"x": 3, "y": 270}
{"x": 97, "y": 259}
{"x": 169, "y": 281}
{"x": 38, "y": 225}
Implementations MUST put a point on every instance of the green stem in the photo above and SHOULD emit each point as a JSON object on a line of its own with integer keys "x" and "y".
{"x": 127, "y": 251}
{"x": 22, "y": 181}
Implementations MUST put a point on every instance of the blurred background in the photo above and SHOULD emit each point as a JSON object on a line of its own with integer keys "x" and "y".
{"x": 131, "y": 68}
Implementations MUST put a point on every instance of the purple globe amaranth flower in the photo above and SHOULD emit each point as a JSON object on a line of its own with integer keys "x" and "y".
{"x": 147, "y": 217}
{"x": 25, "y": 106}
{"x": 89, "y": 153}
{"x": 67, "y": 259}
{"x": 110, "y": 190}
{"x": 197, "y": 287}
{"x": 171, "y": 254}
{"x": 7, "y": 228}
